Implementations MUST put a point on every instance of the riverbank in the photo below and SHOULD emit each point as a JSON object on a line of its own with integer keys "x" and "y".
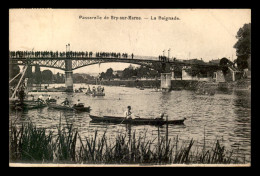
{"x": 179, "y": 84}
{"x": 175, "y": 84}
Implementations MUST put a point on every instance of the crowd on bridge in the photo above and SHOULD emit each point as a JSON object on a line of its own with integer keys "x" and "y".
{"x": 113, "y": 54}
{"x": 76, "y": 54}
{"x": 165, "y": 59}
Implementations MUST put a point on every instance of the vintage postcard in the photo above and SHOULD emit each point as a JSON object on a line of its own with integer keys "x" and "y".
{"x": 129, "y": 87}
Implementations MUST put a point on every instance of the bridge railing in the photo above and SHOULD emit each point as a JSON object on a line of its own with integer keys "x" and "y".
{"x": 27, "y": 56}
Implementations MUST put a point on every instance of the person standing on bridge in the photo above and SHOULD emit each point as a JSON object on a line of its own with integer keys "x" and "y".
{"x": 132, "y": 55}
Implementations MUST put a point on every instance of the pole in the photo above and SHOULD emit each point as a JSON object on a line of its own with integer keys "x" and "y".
{"x": 14, "y": 78}
{"x": 19, "y": 82}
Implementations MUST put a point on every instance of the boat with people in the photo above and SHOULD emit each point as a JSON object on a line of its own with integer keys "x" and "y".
{"x": 135, "y": 121}
{"x": 60, "y": 107}
{"x": 51, "y": 101}
{"x": 96, "y": 92}
{"x": 81, "y": 107}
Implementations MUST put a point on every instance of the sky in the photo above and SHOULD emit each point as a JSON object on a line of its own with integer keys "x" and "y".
{"x": 198, "y": 33}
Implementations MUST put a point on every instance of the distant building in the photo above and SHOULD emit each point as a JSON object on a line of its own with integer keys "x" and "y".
{"x": 232, "y": 75}
{"x": 215, "y": 61}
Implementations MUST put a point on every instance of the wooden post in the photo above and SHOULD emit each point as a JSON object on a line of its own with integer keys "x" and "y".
{"x": 166, "y": 130}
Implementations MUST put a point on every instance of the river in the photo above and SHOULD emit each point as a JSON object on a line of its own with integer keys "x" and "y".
{"x": 226, "y": 116}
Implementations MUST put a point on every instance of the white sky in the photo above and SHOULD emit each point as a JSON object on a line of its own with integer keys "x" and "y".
{"x": 204, "y": 33}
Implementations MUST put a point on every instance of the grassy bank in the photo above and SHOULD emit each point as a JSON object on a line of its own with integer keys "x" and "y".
{"x": 31, "y": 144}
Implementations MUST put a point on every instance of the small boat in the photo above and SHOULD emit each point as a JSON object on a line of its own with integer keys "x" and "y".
{"x": 36, "y": 106}
{"x": 51, "y": 101}
{"x": 95, "y": 93}
{"x": 98, "y": 94}
{"x": 28, "y": 106}
{"x": 78, "y": 90}
{"x": 81, "y": 108}
{"x": 75, "y": 107}
{"x": 135, "y": 121}
{"x": 61, "y": 107}
{"x": 88, "y": 93}
{"x": 141, "y": 88}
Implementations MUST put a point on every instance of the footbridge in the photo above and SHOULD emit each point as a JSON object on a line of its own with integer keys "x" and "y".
{"x": 68, "y": 64}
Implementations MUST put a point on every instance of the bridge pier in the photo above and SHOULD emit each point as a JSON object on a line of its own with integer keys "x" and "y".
{"x": 69, "y": 81}
{"x": 166, "y": 82}
{"x": 68, "y": 75}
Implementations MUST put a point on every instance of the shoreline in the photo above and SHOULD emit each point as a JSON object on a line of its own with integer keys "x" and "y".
{"x": 175, "y": 85}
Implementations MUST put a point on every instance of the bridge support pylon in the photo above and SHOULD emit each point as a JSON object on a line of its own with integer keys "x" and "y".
{"x": 68, "y": 81}
{"x": 166, "y": 82}
{"x": 68, "y": 75}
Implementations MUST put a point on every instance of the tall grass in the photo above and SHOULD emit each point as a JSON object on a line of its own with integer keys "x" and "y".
{"x": 28, "y": 143}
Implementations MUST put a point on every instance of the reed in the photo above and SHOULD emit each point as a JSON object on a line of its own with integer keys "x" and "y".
{"x": 28, "y": 143}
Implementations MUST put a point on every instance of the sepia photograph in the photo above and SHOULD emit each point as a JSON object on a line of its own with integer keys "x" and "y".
{"x": 129, "y": 87}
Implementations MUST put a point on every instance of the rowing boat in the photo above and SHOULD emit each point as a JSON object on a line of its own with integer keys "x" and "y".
{"x": 135, "y": 121}
{"x": 95, "y": 93}
{"x": 70, "y": 108}
{"x": 82, "y": 108}
{"x": 27, "y": 106}
{"x": 61, "y": 107}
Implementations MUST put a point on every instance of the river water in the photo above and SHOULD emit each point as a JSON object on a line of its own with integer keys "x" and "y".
{"x": 226, "y": 116}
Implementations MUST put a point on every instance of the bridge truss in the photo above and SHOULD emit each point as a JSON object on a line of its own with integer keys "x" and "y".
{"x": 59, "y": 63}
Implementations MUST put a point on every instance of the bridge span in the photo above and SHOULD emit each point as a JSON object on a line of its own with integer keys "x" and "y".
{"x": 68, "y": 64}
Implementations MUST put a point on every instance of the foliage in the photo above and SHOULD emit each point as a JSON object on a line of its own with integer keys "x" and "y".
{"x": 14, "y": 70}
{"x": 47, "y": 76}
{"x": 243, "y": 46}
{"x": 29, "y": 143}
{"x": 108, "y": 74}
{"x": 140, "y": 72}
{"x": 78, "y": 79}
{"x": 37, "y": 75}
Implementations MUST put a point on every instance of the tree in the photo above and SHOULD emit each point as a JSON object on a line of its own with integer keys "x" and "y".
{"x": 47, "y": 76}
{"x": 79, "y": 79}
{"x": 38, "y": 76}
{"x": 103, "y": 75}
{"x": 243, "y": 46}
{"x": 13, "y": 71}
{"x": 109, "y": 73}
